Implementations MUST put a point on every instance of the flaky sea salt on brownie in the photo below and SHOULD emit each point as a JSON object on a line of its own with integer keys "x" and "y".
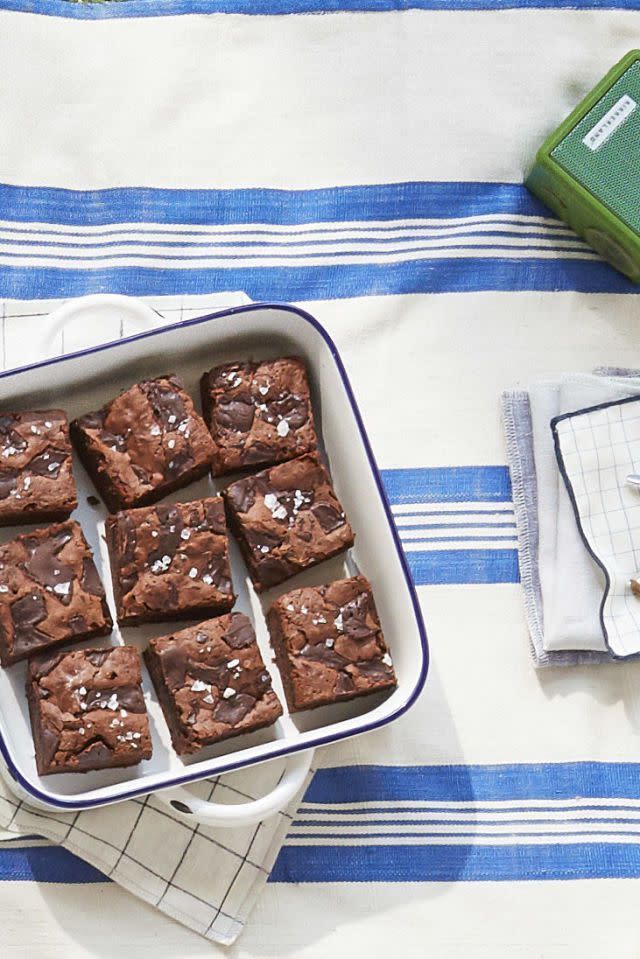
{"x": 170, "y": 561}
{"x": 144, "y": 444}
{"x": 87, "y": 710}
{"x": 212, "y": 682}
{"x": 50, "y": 592}
{"x": 287, "y": 519}
{"x": 36, "y": 480}
{"x": 328, "y": 644}
{"x": 258, "y": 413}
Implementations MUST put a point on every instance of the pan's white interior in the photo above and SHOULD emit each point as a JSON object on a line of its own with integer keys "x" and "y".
{"x": 84, "y": 383}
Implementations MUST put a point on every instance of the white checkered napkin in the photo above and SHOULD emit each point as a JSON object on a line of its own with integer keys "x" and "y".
{"x": 597, "y": 448}
{"x": 206, "y": 878}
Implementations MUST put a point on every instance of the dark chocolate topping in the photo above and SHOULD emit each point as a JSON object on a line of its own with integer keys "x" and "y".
{"x": 95, "y": 754}
{"x": 45, "y": 567}
{"x": 231, "y": 711}
{"x": 354, "y": 618}
{"x": 48, "y": 463}
{"x": 26, "y": 613}
{"x": 90, "y": 580}
{"x": 287, "y": 407}
{"x": 320, "y": 653}
{"x": 240, "y": 632}
{"x": 49, "y": 742}
{"x": 235, "y": 413}
{"x": 167, "y": 403}
{"x": 174, "y": 664}
{"x": 242, "y": 494}
{"x": 328, "y": 517}
{"x": 8, "y": 482}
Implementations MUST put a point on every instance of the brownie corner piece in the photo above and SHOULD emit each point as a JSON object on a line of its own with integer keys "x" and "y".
{"x": 170, "y": 561}
{"x": 144, "y": 444}
{"x": 50, "y": 592}
{"x": 258, "y": 413}
{"x": 329, "y": 644}
{"x": 212, "y": 682}
{"x": 36, "y": 477}
{"x": 87, "y": 710}
{"x": 287, "y": 519}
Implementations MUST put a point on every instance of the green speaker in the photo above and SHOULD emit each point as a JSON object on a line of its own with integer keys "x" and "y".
{"x": 588, "y": 170}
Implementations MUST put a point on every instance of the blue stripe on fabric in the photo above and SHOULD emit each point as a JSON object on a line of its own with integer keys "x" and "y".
{"x": 569, "y": 823}
{"x": 472, "y": 809}
{"x": 387, "y": 201}
{"x": 458, "y": 526}
{"x": 397, "y": 863}
{"x": 46, "y": 864}
{"x": 457, "y": 863}
{"x": 453, "y": 512}
{"x": 447, "y": 484}
{"x": 521, "y": 781}
{"x": 164, "y": 8}
{"x": 289, "y": 242}
{"x": 334, "y": 281}
{"x": 443, "y": 567}
{"x": 296, "y": 281}
{"x": 465, "y": 539}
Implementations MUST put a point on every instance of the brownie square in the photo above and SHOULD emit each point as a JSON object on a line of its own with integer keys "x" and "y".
{"x": 287, "y": 519}
{"x": 144, "y": 444}
{"x": 50, "y": 592}
{"x": 259, "y": 414}
{"x": 87, "y": 710}
{"x": 328, "y": 644}
{"x": 211, "y": 682}
{"x": 170, "y": 562}
{"x": 36, "y": 481}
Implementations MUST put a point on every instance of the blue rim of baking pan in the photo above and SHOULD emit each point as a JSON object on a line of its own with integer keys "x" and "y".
{"x": 284, "y": 751}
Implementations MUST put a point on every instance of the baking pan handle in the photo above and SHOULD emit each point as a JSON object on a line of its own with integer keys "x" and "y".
{"x": 184, "y": 804}
{"x": 109, "y": 313}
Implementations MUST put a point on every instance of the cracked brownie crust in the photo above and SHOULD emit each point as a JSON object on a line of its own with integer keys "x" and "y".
{"x": 36, "y": 480}
{"x": 170, "y": 561}
{"x": 144, "y": 444}
{"x": 287, "y": 519}
{"x": 87, "y": 710}
{"x": 259, "y": 414}
{"x": 212, "y": 682}
{"x": 50, "y": 592}
{"x": 328, "y": 643}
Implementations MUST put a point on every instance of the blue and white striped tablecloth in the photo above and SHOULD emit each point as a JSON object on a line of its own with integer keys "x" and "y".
{"x": 364, "y": 158}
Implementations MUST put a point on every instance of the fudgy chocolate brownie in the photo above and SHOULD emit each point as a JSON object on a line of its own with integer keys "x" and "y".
{"x": 258, "y": 413}
{"x": 50, "y": 592}
{"x": 36, "y": 481}
{"x": 328, "y": 644}
{"x": 145, "y": 443}
{"x": 287, "y": 519}
{"x": 211, "y": 682}
{"x": 87, "y": 710}
{"x": 170, "y": 562}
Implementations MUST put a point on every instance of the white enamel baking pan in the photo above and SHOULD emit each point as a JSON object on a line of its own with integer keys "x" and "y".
{"x": 83, "y": 381}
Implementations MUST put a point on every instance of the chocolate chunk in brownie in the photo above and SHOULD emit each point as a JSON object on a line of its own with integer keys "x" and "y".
{"x": 170, "y": 561}
{"x": 145, "y": 443}
{"x": 212, "y": 682}
{"x": 87, "y": 710}
{"x": 50, "y": 592}
{"x": 328, "y": 644}
{"x": 36, "y": 480}
{"x": 259, "y": 414}
{"x": 287, "y": 519}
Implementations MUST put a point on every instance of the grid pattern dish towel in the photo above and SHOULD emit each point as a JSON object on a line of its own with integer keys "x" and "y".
{"x": 207, "y": 878}
{"x": 564, "y": 625}
{"x": 597, "y": 449}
